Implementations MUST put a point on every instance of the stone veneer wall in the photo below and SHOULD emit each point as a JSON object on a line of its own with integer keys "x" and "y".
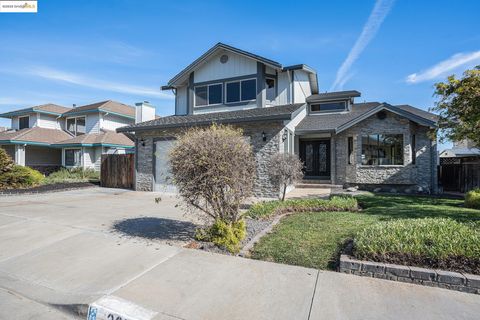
{"x": 263, "y": 150}
{"x": 464, "y": 282}
{"x": 419, "y": 177}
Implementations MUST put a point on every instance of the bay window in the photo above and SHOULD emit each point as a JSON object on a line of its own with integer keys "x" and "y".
{"x": 382, "y": 149}
{"x": 76, "y": 126}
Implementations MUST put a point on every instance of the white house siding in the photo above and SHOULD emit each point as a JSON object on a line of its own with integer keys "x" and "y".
{"x": 181, "y": 101}
{"x": 236, "y": 66}
{"x": 302, "y": 88}
{"x": 222, "y": 108}
{"x": 42, "y": 156}
{"x": 47, "y": 121}
{"x": 93, "y": 123}
{"x": 284, "y": 88}
{"x": 112, "y": 122}
{"x": 92, "y": 158}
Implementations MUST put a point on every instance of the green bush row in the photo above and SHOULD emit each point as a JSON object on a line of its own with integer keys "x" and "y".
{"x": 268, "y": 209}
{"x": 472, "y": 199}
{"x": 72, "y": 175}
{"x": 431, "y": 238}
{"x": 20, "y": 177}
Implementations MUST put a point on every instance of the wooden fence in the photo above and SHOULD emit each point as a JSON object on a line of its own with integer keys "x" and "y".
{"x": 460, "y": 177}
{"x": 117, "y": 171}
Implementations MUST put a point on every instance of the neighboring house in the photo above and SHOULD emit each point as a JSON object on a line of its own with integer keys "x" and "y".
{"x": 49, "y": 136}
{"x": 464, "y": 150}
{"x": 373, "y": 145}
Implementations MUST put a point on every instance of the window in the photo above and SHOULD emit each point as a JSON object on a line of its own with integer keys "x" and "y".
{"x": 76, "y": 126}
{"x": 351, "y": 157}
{"x": 270, "y": 88}
{"x": 414, "y": 149}
{"x": 23, "y": 123}
{"x": 73, "y": 157}
{"x": 382, "y": 149}
{"x": 244, "y": 90}
{"x": 208, "y": 95}
{"x": 328, "y": 106}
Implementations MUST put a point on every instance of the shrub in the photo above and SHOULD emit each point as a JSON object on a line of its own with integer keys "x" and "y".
{"x": 472, "y": 199}
{"x": 20, "y": 177}
{"x": 285, "y": 169}
{"x": 214, "y": 170}
{"x": 6, "y": 163}
{"x": 223, "y": 234}
{"x": 264, "y": 210}
{"x": 72, "y": 175}
{"x": 418, "y": 240}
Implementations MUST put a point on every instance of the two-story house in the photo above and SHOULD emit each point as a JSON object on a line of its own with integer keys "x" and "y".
{"x": 49, "y": 136}
{"x": 372, "y": 145}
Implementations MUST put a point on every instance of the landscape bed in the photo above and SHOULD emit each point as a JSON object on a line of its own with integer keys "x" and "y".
{"x": 316, "y": 239}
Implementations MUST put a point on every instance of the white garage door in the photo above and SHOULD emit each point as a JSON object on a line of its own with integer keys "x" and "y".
{"x": 163, "y": 179}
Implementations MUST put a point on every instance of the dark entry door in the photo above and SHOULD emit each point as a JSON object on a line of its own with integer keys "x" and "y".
{"x": 315, "y": 155}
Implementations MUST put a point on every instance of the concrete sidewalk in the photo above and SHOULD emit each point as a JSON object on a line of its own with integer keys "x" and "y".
{"x": 58, "y": 254}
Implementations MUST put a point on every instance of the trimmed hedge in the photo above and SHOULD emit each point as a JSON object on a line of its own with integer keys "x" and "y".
{"x": 19, "y": 177}
{"x": 472, "y": 199}
{"x": 431, "y": 242}
{"x": 264, "y": 210}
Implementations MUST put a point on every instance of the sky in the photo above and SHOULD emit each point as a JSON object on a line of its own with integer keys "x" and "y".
{"x": 81, "y": 52}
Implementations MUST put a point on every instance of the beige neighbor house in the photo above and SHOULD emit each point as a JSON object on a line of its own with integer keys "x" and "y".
{"x": 50, "y": 136}
{"x": 373, "y": 145}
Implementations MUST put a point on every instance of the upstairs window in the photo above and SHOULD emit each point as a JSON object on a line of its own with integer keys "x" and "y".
{"x": 270, "y": 88}
{"x": 76, "y": 126}
{"x": 329, "y": 106}
{"x": 382, "y": 149}
{"x": 208, "y": 95}
{"x": 23, "y": 123}
{"x": 239, "y": 91}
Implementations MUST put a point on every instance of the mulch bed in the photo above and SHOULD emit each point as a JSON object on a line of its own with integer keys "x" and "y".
{"x": 49, "y": 188}
{"x": 453, "y": 263}
{"x": 254, "y": 227}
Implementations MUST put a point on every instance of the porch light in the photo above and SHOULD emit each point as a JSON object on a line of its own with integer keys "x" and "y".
{"x": 264, "y": 136}
{"x": 142, "y": 142}
{"x": 284, "y": 135}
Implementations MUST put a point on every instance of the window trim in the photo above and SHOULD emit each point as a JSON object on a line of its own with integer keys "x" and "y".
{"x": 208, "y": 97}
{"x": 28, "y": 124}
{"x": 350, "y": 150}
{"x": 240, "y": 90}
{"x": 327, "y": 102}
{"x": 79, "y": 117}
{"x": 274, "y": 87}
{"x": 65, "y": 157}
{"x": 384, "y": 165}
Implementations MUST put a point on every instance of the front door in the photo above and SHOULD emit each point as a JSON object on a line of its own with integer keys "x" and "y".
{"x": 315, "y": 155}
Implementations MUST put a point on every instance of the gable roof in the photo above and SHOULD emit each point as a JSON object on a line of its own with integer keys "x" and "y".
{"x": 109, "y": 106}
{"x": 49, "y": 108}
{"x": 338, "y": 122}
{"x": 104, "y": 138}
{"x": 211, "y": 52}
{"x": 284, "y": 112}
{"x": 35, "y": 135}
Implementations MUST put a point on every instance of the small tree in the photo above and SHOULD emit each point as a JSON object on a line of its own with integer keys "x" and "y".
{"x": 6, "y": 163}
{"x": 285, "y": 169}
{"x": 214, "y": 170}
{"x": 459, "y": 107}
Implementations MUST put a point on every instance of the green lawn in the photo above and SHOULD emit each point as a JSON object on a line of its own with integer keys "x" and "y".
{"x": 313, "y": 239}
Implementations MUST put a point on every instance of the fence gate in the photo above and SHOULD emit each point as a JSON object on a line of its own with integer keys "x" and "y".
{"x": 117, "y": 171}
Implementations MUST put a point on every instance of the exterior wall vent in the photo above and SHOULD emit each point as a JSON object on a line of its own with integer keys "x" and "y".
{"x": 381, "y": 115}
{"x": 224, "y": 58}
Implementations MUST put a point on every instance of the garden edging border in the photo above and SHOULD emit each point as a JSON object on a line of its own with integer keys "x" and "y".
{"x": 463, "y": 282}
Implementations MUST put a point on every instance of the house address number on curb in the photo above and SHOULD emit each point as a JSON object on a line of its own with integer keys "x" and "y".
{"x": 114, "y": 308}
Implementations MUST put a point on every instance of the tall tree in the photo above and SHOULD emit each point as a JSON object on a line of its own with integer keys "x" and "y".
{"x": 459, "y": 107}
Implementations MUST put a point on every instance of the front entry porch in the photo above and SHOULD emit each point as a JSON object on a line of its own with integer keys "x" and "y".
{"x": 316, "y": 156}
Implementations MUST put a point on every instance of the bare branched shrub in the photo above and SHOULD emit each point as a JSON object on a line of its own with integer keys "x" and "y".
{"x": 214, "y": 170}
{"x": 285, "y": 169}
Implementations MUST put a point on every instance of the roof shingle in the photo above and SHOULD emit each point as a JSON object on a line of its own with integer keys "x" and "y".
{"x": 109, "y": 106}
{"x": 102, "y": 138}
{"x": 36, "y": 135}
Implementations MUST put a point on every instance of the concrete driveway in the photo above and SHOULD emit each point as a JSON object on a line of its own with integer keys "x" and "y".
{"x": 58, "y": 254}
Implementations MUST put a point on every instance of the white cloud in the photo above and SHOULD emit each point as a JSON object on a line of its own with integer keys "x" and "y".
{"x": 442, "y": 68}
{"x": 58, "y": 75}
{"x": 370, "y": 29}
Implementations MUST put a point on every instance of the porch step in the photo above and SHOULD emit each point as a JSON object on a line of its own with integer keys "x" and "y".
{"x": 316, "y": 181}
